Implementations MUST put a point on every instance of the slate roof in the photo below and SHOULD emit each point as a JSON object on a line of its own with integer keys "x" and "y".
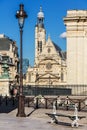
{"x": 63, "y": 54}
{"x": 58, "y": 49}
{"x": 5, "y": 44}
{"x": 56, "y": 46}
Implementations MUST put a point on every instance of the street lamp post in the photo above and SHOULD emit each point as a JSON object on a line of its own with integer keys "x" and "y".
{"x": 21, "y": 15}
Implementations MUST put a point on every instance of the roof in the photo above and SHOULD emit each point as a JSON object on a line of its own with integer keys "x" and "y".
{"x": 58, "y": 49}
{"x": 5, "y": 43}
{"x": 56, "y": 46}
{"x": 63, "y": 54}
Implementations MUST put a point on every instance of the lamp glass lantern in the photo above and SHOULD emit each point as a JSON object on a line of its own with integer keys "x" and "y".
{"x": 21, "y": 15}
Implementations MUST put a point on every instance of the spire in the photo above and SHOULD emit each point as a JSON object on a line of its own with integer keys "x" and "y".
{"x": 40, "y": 15}
{"x": 48, "y": 36}
{"x": 40, "y": 18}
{"x": 40, "y": 8}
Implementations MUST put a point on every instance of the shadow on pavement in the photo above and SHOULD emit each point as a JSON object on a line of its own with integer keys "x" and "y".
{"x": 31, "y": 112}
{"x": 9, "y": 105}
{"x": 64, "y": 123}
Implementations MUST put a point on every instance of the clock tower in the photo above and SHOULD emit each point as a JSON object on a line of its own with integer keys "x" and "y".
{"x": 40, "y": 35}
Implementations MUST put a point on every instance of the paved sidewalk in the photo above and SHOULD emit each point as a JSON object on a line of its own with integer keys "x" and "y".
{"x": 38, "y": 120}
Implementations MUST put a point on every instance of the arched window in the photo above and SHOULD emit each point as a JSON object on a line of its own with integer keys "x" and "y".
{"x": 40, "y": 46}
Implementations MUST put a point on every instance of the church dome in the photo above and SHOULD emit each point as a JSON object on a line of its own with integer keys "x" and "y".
{"x": 40, "y": 14}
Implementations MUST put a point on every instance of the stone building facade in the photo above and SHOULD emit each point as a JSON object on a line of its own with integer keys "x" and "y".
{"x": 50, "y": 61}
{"x": 9, "y": 61}
{"x": 76, "y": 28}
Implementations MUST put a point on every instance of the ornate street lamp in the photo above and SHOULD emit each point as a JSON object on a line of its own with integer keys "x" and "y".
{"x": 21, "y": 15}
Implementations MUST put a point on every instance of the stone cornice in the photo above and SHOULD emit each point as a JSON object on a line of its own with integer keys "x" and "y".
{"x": 75, "y": 19}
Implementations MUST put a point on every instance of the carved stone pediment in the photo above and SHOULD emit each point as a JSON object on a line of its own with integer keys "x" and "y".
{"x": 48, "y": 75}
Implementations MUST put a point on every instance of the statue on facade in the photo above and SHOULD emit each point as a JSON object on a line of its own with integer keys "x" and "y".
{"x": 5, "y": 73}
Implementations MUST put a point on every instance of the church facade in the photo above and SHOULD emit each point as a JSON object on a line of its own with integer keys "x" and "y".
{"x": 50, "y": 61}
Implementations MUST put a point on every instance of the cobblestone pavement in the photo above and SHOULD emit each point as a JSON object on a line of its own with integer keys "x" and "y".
{"x": 38, "y": 120}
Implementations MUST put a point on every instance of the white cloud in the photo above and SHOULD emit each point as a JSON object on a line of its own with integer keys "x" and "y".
{"x": 63, "y": 35}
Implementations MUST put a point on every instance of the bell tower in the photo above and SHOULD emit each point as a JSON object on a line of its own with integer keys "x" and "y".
{"x": 40, "y": 35}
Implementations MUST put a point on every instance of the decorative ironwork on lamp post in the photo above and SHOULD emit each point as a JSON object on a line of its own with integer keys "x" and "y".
{"x": 21, "y": 15}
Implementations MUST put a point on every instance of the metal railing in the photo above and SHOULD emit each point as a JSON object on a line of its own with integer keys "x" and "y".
{"x": 7, "y": 104}
{"x": 74, "y": 90}
{"x": 62, "y": 102}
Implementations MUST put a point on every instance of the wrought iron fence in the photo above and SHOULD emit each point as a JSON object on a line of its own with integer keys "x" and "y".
{"x": 8, "y": 104}
{"x": 74, "y": 90}
{"x": 61, "y": 102}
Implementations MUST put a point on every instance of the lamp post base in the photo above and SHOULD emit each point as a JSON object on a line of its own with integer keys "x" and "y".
{"x": 21, "y": 107}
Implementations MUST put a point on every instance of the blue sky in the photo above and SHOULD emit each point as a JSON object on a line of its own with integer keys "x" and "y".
{"x": 54, "y": 11}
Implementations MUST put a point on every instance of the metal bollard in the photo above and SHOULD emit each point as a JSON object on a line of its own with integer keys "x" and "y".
{"x": 36, "y": 103}
{"x": 79, "y": 106}
{"x": 46, "y": 103}
{"x": 6, "y": 98}
{"x": 28, "y": 102}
